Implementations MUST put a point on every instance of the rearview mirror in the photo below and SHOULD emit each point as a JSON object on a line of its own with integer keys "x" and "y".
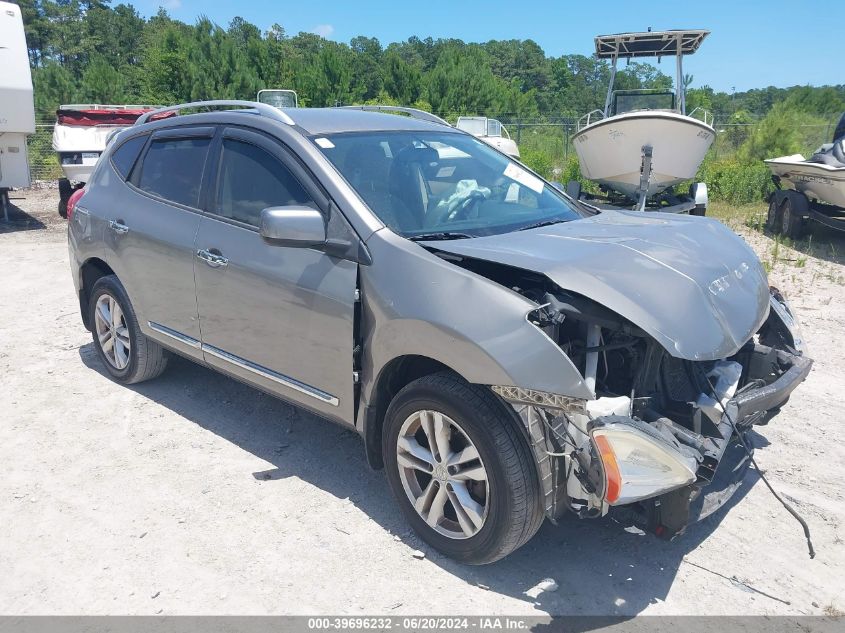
{"x": 295, "y": 225}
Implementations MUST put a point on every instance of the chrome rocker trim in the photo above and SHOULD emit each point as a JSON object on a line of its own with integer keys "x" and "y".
{"x": 264, "y": 372}
{"x": 286, "y": 381}
{"x": 182, "y": 338}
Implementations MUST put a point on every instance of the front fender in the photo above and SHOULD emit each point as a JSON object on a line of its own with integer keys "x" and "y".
{"x": 415, "y": 303}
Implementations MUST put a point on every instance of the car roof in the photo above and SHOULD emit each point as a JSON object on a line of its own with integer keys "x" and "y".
{"x": 317, "y": 121}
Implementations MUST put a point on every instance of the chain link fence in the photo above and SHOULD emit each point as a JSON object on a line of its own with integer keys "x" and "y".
{"x": 43, "y": 161}
{"x": 550, "y": 137}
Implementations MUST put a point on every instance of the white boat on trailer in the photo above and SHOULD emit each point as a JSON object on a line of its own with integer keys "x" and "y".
{"x": 81, "y": 134}
{"x": 643, "y": 142}
{"x": 278, "y": 97}
{"x": 491, "y": 131}
{"x": 809, "y": 189}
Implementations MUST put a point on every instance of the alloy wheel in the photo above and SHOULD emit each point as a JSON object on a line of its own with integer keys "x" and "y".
{"x": 442, "y": 474}
{"x": 112, "y": 333}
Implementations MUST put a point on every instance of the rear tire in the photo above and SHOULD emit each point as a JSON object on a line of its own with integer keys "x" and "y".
{"x": 507, "y": 499}
{"x": 128, "y": 355}
{"x": 792, "y": 215}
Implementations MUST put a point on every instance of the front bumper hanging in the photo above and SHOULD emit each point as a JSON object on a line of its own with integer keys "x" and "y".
{"x": 725, "y": 461}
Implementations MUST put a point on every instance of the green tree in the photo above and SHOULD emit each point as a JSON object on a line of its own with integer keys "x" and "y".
{"x": 367, "y": 70}
{"x": 101, "y": 82}
{"x": 463, "y": 83}
{"x": 54, "y": 85}
{"x": 776, "y": 135}
{"x": 401, "y": 79}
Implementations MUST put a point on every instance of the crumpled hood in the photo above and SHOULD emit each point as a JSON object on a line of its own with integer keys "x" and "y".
{"x": 690, "y": 282}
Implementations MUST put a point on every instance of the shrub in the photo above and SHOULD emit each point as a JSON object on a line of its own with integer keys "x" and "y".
{"x": 776, "y": 135}
{"x": 538, "y": 160}
{"x": 735, "y": 182}
{"x": 571, "y": 171}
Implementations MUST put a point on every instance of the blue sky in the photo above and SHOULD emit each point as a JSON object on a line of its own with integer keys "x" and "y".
{"x": 752, "y": 44}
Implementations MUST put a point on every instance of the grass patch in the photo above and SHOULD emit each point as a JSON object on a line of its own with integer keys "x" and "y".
{"x": 752, "y": 215}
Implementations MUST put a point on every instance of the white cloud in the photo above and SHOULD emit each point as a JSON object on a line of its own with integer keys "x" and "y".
{"x": 323, "y": 30}
{"x": 172, "y": 4}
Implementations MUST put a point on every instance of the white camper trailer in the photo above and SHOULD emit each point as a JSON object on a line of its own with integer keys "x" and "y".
{"x": 17, "y": 109}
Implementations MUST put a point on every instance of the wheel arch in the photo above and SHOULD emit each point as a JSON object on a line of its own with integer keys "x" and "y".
{"x": 93, "y": 269}
{"x": 393, "y": 377}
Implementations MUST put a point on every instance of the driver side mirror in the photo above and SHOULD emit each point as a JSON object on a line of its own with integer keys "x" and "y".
{"x": 294, "y": 225}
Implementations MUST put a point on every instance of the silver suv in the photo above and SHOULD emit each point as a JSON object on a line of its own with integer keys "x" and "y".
{"x": 506, "y": 353}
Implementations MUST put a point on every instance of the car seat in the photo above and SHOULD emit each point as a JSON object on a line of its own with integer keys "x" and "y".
{"x": 368, "y": 169}
{"x": 409, "y": 183}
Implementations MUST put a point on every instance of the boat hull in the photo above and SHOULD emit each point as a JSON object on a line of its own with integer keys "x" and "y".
{"x": 610, "y": 150}
{"x": 88, "y": 141}
{"x": 815, "y": 180}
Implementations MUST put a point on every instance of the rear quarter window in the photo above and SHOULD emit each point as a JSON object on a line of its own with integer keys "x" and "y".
{"x": 172, "y": 169}
{"x": 124, "y": 157}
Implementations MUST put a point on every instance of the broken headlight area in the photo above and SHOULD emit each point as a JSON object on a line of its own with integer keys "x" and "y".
{"x": 637, "y": 461}
{"x": 659, "y": 446}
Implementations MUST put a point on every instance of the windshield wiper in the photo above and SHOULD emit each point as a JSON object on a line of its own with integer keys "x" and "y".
{"x": 442, "y": 235}
{"x": 540, "y": 224}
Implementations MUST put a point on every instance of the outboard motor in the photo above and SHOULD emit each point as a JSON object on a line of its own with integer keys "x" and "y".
{"x": 832, "y": 154}
{"x": 839, "y": 132}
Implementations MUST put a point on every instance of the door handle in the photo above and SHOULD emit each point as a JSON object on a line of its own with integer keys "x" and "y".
{"x": 215, "y": 260}
{"x": 118, "y": 227}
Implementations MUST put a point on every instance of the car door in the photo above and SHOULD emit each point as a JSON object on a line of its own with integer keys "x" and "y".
{"x": 151, "y": 231}
{"x": 277, "y": 316}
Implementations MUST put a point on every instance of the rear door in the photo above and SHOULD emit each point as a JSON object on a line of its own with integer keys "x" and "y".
{"x": 151, "y": 230}
{"x": 277, "y": 316}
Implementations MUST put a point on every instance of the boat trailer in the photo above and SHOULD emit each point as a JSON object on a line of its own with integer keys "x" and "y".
{"x": 791, "y": 211}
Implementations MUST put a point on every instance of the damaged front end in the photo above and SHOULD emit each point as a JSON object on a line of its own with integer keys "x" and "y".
{"x": 661, "y": 444}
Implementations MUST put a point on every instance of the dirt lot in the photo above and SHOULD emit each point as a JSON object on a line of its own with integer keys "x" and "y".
{"x": 196, "y": 494}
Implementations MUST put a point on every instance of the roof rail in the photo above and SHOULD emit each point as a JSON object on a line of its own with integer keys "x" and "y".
{"x": 414, "y": 113}
{"x": 260, "y": 108}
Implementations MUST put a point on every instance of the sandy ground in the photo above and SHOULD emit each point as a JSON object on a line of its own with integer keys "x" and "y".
{"x": 195, "y": 494}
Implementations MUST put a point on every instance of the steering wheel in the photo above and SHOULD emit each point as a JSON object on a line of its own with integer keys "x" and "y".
{"x": 459, "y": 211}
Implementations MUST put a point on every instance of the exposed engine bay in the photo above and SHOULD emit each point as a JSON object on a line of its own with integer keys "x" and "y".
{"x": 648, "y": 448}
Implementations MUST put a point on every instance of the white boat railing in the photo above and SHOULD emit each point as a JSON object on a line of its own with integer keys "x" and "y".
{"x": 704, "y": 116}
{"x": 590, "y": 117}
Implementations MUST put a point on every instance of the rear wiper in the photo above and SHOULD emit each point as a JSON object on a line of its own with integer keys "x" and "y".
{"x": 540, "y": 224}
{"x": 443, "y": 235}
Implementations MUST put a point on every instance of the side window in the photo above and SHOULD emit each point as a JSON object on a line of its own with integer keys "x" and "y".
{"x": 250, "y": 180}
{"x": 125, "y": 156}
{"x": 172, "y": 169}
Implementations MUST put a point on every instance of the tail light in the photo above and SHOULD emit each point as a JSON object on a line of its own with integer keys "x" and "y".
{"x": 72, "y": 201}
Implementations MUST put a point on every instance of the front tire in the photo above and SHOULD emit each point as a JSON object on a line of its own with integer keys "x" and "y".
{"x": 65, "y": 191}
{"x": 128, "y": 355}
{"x": 461, "y": 471}
{"x": 773, "y": 216}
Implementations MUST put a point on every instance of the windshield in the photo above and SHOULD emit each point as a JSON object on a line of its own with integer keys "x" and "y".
{"x": 278, "y": 98}
{"x": 474, "y": 125}
{"x": 440, "y": 185}
{"x": 628, "y": 101}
